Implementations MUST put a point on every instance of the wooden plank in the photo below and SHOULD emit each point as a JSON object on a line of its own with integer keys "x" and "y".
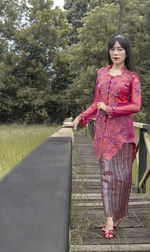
{"x": 121, "y": 238}
{"x": 99, "y": 196}
{"x": 86, "y": 176}
{"x": 86, "y": 180}
{"x": 146, "y": 174}
{"x": 115, "y": 248}
{"x": 137, "y": 158}
{"x": 141, "y": 125}
{"x": 97, "y": 204}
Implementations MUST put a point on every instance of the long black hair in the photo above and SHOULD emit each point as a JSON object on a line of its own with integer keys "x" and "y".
{"x": 124, "y": 42}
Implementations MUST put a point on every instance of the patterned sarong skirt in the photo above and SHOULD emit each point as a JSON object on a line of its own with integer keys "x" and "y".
{"x": 116, "y": 180}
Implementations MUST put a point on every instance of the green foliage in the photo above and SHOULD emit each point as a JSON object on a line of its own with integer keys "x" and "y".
{"x": 35, "y": 66}
{"x": 76, "y": 10}
{"x": 100, "y": 3}
{"x": 49, "y": 57}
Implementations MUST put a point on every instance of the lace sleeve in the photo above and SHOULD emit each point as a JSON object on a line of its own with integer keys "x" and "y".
{"x": 133, "y": 106}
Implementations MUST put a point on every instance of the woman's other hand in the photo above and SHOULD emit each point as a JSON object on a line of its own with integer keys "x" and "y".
{"x": 101, "y": 105}
{"x": 76, "y": 122}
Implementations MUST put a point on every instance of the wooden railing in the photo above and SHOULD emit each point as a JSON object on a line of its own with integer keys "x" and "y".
{"x": 143, "y": 147}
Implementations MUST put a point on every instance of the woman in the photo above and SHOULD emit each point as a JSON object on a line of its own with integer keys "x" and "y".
{"x": 114, "y": 140}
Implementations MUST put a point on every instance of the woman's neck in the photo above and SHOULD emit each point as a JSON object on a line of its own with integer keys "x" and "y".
{"x": 116, "y": 67}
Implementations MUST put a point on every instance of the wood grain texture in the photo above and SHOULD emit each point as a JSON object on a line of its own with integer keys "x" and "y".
{"x": 134, "y": 231}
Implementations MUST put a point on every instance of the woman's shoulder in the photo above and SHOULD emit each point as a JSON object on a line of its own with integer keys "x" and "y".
{"x": 102, "y": 69}
{"x": 132, "y": 74}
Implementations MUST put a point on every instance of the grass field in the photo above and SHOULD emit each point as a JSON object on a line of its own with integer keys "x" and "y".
{"x": 16, "y": 141}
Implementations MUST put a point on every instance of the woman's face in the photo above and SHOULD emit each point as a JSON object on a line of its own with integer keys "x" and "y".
{"x": 117, "y": 54}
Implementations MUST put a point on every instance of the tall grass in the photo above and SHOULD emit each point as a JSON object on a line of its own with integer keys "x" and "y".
{"x": 16, "y": 141}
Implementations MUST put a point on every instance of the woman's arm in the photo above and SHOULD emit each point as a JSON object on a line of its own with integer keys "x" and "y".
{"x": 132, "y": 107}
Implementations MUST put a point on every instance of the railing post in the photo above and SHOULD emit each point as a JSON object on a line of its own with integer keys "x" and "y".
{"x": 142, "y": 159}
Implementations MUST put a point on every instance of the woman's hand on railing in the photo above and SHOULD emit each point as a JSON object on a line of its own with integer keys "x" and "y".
{"x": 76, "y": 122}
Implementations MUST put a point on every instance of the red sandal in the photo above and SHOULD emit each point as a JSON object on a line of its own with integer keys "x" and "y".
{"x": 114, "y": 227}
{"x": 109, "y": 234}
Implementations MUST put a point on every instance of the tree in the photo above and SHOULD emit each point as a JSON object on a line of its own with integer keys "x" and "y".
{"x": 9, "y": 21}
{"x": 145, "y": 62}
{"x": 76, "y": 10}
{"x": 39, "y": 45}
{"x": 31, "y": 70}
{"x": 100, "y": 3}
{"x": 121, "y": 16}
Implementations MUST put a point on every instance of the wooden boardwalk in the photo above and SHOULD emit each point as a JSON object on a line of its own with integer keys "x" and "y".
{"x": 87, "y": 208}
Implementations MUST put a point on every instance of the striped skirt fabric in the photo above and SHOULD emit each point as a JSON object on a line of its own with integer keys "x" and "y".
{"x": 116, "y": 180}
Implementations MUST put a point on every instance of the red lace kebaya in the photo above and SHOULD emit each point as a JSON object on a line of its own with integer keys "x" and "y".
{"x": 115, "y": 126}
